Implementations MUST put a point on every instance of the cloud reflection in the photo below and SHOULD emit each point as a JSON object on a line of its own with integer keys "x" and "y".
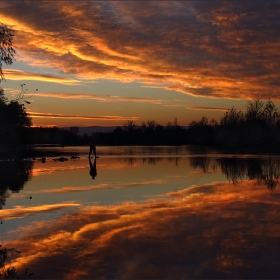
{"x": 51, "y": 169}
{"x": 21, "y": 212}
{"x": 217, "y": 231}
{"x": 98, "y": 186}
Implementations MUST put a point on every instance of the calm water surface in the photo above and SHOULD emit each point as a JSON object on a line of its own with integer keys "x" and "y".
{"x": 142, "y": 213}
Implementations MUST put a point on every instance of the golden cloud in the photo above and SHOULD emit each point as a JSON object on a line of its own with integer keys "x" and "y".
{"x": 101, "y": 98}
{"x": 18, "y": 75}
{"x": 213, "y": 50}
{"x": 60, "y": 116}
{"x": 197, "y": 107}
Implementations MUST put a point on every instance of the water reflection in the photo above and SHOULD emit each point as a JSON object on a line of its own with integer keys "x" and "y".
{"x": 205, "y": 234}
{"x": 92, "y": 168}
{"x": 237, "y": 169}
{"x": 130, "y": 161}
{"x": 151, "y": 160}
{"x": 13, "y": 176}
{"x": 175, "y": 160}
{"x": 189, "y": 224}
{"x": 270, "y": 174}
{"x": 200, "y": 162}
{"x": 266, "y": 170}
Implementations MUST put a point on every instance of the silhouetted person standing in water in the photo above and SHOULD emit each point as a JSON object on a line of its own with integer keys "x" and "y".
{"x": 92, "y": 170}
{"x": 92, "y": 147}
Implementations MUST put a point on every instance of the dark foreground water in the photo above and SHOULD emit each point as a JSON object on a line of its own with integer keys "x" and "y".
{"x": 142, "y": 213}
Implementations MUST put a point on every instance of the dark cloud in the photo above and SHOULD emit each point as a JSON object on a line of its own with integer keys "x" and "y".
{"x": 208, "y": 108}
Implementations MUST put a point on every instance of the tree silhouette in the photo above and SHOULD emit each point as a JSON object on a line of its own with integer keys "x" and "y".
{"x": 129, "y": 125}
{"x": 13, "y": 121}
{"x": 13, "y": 116}
{"x": 232, "y": 118}
{"x": 6, "y": 47}
{"x": 255, "y": 130}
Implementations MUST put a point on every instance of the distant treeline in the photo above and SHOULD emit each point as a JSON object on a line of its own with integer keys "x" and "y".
{"x": 150, "y": 133}
{"x": 257, "y": 129}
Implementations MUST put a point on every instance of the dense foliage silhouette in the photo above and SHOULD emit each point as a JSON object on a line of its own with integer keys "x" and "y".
{"x": 14, "y": 122}
{"x": 6, "y": 47}
{"x": 255, "y": 130}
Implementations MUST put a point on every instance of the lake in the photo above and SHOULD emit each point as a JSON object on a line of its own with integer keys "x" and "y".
{"x": 142, "y": 213}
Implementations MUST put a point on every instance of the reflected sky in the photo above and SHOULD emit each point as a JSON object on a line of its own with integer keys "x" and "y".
{"x": 188, "y": 216}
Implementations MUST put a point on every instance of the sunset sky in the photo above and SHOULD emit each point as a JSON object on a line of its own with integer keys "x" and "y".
{"x": 105, "y": 62}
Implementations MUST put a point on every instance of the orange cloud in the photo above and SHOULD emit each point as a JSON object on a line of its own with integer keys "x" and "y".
{"x": 60, "y": 116}
{"x": 101, "y": 98}
{"x": 197, "y": 107}
{"x": 213, "y": 50}
{"x": 13, "y": 74}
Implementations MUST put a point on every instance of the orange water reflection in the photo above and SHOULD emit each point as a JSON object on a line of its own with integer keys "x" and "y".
{"x": 218, "y": 230}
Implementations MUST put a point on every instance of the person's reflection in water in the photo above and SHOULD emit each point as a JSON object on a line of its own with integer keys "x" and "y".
{"x": 92, "y": 170}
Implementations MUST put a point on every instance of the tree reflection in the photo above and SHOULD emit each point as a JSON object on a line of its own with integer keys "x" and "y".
{"x": 264, "y": 170}
{"x": 175, "y": 160}
{"x": 13, "y": 176}
{"x": 270, "y": 174}
{"x": 254, "y": 168}
{"x": 200, "y": 162}
{"x": 131, "y": 161}
{"x": 234, "y": 168}
{"x": 151, "y": 160}
{"x": 3, "y": 196}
